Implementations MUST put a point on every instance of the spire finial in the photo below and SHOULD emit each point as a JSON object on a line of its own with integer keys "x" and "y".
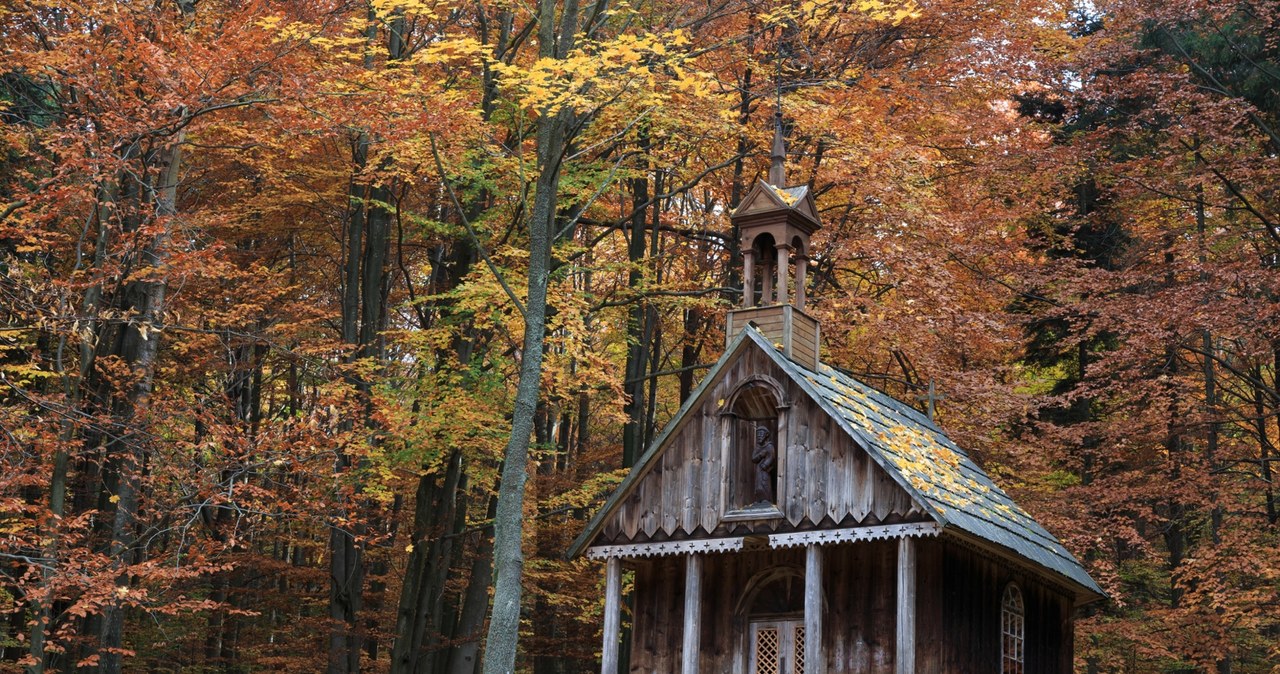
{"x": 778, "y": 156}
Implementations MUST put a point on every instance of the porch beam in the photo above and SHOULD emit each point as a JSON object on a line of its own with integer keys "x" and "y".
{"x": 776, "y": 541}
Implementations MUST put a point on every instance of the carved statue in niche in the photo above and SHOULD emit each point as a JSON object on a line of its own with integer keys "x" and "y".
{"x": 764, "y": 455}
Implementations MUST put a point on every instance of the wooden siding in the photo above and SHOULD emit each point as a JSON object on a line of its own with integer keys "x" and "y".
{"x": 804, "y": 340}
{"x": 958, "y": 613}
{"x": 796, "y": 331}
{"x": 957, "y": 610}
{"x": 859, "y": 608}
{"x": 824, "y": 478}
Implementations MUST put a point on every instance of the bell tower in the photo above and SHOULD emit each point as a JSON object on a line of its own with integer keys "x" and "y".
{"x": 775, "y": 222}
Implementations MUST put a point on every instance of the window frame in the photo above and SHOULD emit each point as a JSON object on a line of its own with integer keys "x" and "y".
{"x": 1013, "y": 630}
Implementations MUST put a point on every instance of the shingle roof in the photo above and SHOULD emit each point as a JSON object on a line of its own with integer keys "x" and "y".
{"x": 937, "y": 472}
{"x": 958, "y": 494}
{"x": 795, "y": 193}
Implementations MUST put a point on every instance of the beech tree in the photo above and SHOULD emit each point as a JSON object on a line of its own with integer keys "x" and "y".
{"x": 322, "y": 324}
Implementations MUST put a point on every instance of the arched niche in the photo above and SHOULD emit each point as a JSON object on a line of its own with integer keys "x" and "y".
{"x": 757, "y": 406}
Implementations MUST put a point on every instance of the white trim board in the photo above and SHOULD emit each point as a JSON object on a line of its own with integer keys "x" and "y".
{"x": 776, "y": 541}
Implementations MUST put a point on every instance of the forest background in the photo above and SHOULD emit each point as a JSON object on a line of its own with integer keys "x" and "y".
{"x": 302, "y": 301}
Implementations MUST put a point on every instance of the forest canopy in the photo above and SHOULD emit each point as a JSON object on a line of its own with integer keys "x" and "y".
{"x": 325, "y": 325}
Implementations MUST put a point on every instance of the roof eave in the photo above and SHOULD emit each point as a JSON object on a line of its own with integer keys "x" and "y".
{"x": 1081, "y": 594}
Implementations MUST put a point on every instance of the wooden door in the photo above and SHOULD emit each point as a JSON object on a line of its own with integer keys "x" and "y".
{"x": 777, "y": 647}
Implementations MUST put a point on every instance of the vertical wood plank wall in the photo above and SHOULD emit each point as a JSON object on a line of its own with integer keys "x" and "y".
{"x": 957, "y": 611}
{"x": 823, "y": 478}
{"x": 858, "y": 630}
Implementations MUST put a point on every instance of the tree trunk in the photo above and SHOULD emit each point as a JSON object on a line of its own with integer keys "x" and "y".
{"x": 504, "y": 623}
{"x": 637, "y": 325}
{"x": 418, "y": 612}
{"x": 463, "y": 656}
{"x": 508, "y": 560}
{"x": 89, "y": 306}
{"x": 140, "y": 347}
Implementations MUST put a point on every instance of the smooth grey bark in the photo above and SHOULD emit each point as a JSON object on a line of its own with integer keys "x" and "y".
{"x": 464, "y": 657}
{"x": 508, "y": 558}
{"x": 419, "y": 610}
{"x": 640, "y": 320}
{"x": 89, "y": 306}
{"x": 364, "y": 294}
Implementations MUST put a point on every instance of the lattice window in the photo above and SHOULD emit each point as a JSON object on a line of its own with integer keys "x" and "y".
{"x": 798, "y": 654}
{"x": 767, "y": 650}
{"x": 1012, "y": 631}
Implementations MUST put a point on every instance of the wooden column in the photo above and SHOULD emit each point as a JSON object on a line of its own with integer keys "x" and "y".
{"x": 766, "y": 281}
{"x": 802, "y": 270}
{"x": 692, "y": 649}
{"x": 612, "y": 615}
{"x": 784, "y": 251}
{"x": 906, "y": 657}
{"x": 748, "y": 278}
{"x": 815, "y": 661}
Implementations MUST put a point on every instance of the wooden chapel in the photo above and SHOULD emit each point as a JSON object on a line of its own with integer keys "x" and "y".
{"x": 793, "y": 520}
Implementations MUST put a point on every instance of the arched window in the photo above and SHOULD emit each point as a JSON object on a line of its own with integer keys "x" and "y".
{"x": 1012, "y": 631}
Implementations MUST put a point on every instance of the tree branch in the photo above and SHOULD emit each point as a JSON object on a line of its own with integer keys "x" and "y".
{"x": 475, "y": 239}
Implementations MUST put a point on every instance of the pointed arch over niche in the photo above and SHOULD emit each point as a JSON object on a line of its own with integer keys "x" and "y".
{"x": 753, "y": 435}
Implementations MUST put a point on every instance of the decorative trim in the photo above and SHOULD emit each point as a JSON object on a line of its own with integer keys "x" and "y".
{"x": 705, "y": 545}
{"x": 776, "y": 541}
{"x": 875, "y": 533}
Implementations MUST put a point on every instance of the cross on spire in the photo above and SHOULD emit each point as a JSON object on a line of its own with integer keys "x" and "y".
{"x": 931, "y": 398}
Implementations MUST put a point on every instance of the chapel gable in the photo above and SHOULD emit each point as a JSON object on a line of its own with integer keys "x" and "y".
{"x": 753, "y": 453}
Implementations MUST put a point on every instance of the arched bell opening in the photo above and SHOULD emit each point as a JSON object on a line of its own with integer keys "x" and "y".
{"x": 759, "y": 270}
{"x": 768, "y": 276}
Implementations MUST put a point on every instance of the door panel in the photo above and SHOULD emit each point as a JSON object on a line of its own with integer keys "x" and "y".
{"x": 777, "y": 647}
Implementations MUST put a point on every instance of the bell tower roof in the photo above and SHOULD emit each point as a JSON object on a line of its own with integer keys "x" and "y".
{"x": 772, "y": 199}
{"x": 778, "y": 202}
{"x": 774, "y": 223}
